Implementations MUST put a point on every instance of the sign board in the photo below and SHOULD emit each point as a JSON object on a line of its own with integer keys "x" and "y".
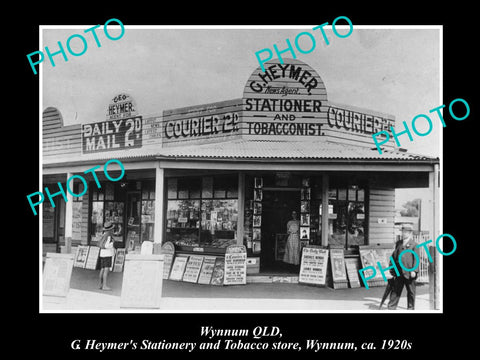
{"x": 369, "y": 256}
{"x": 142, "y": 281}
{"x": 178, "y": 268}
{"x": 235, "y": 265}
{"x": 358, "y": 122}
{"x": 352, "y": 265}
{"x": 313, "y": 266}
{"x": 207, "y": 270}
{"x": 284, "y": 100}
{"x": 57, "y": 273}
{"x": 81, "y": 256}
{"x": 152, "y": 131}
{"x": 92, "y": 259}
{"x": 112, "y": 135}
{"x": 77, "y": 220}
{"x": 168, "y": 251}
{"x": 192, "y": 270}
{"x": 119, "y": 260}
{"x": 122, "y": 106}
{"x": 207, "y": 122}
{"x": 337, "y": 260}
{"x": 218, "y": 271}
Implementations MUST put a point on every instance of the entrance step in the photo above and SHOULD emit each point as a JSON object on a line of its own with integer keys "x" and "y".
{"x": 269, "y": 279}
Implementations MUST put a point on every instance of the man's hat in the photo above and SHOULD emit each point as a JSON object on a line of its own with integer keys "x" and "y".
{"x": 407, "y": 227}
{"x": 108, "y": 225}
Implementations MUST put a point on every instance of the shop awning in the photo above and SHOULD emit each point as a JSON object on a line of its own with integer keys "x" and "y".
{"x": 257, "y": 150}
{"x": 307, "y": 150}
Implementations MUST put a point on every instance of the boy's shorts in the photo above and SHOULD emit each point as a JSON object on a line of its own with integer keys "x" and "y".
{"x": 105, "y": 262}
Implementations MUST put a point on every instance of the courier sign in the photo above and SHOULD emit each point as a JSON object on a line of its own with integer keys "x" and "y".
{"x": 284, "y": 100}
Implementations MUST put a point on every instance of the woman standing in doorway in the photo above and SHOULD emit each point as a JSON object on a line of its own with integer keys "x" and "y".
{"x": 292, "y": 248}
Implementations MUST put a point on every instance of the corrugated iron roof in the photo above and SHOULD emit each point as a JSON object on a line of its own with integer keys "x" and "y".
{"x": 251, "y": 149}
{"x": 255, "y": 149}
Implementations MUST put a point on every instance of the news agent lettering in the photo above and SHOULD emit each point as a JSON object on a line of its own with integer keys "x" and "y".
{"x": 61, "y": 190}
{"x": 76, "y": 45}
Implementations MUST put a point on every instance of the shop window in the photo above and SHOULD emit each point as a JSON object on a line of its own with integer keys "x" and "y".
{"x": 346, "y": 216}
{"x": 130, "y": 206}
{"x": 148, "y": 211}
{"x": 202, "y": 211}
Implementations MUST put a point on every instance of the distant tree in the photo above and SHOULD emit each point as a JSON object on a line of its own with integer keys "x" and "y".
{"x": 411, "y": 208}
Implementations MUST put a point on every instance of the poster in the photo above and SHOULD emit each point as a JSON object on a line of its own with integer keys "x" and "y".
{"x": 192, "y": 269}
{"x": 119, "y": 260}
{"x": 207, "y": 270}
{"x": 218, "y": 271}
{"x": 338, "y": 265}
{"x": 178, "y": 268}
{"x": 313, "y": 266}
{"x": 235, "y": 265}
{"x": 168, "y": 251}
{"x": 92, "y": 258}
{"x": 304, "y": 233}
{"x": 352, "y": 265}
{"x": 81, "y": 256}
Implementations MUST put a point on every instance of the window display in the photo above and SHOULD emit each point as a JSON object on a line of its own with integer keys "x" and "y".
{"x": 347, "y": 220}
{"x": 208, "y": 216}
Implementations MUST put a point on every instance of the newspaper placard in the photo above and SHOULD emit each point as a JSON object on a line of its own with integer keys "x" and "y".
{"x": 178, "y": 268}
{"x": 337, "y": 260}
{"x": 119, "y": 260}
{"x": 218, "y": 271}
{"x": 92, "y": 258}
{"x": 207, "y": 270}
{"x": 81, "y": 256}
{"x": 353, "y": 265}
{"x": 313, "y": 267}
{"x": 192, "y": 270}
{"x": 168, "y": 251}
{"x": 235, "y": 265}
{"x": 57, "y": 274}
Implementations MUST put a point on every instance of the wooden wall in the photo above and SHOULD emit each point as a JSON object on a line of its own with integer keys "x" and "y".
{"x": 59, "y": 140}
{"x": 381, "y": 206}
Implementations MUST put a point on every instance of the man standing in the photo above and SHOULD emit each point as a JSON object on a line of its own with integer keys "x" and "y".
{"x": 406, "y": 278}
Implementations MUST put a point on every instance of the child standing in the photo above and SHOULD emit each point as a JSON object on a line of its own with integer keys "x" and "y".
{"x": 106, "y": 254}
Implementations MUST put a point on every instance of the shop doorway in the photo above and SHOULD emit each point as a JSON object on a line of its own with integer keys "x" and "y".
{"x": 133, "y": 220}
{"x": 277, "y": 207}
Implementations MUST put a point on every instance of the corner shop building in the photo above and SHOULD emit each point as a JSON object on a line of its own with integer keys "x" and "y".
{"x": 231, "y": 172}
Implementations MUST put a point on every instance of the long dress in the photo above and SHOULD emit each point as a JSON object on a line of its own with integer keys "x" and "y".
{"x": 292, "y": 248}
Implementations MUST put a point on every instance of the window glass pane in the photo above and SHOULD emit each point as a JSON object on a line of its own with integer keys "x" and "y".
{"x": 337, "y": 223}
{"x": 219, "y": 223}
{"x": 114, "y": 213}
{"x": 148, "y": 220}
{"x": 172, "y": 188}
{"x": 96, "y": 224}
{"x": 207, "y": 187}
{"x": 356, "y": 222}
{"x": 361, "y": 195}
{"x": 183, "y": 222}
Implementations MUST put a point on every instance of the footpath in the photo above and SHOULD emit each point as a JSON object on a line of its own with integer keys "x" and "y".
{"x": 179, "y": 297}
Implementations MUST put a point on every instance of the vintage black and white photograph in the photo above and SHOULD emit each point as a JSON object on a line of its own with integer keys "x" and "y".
{"x": 167, "y": 138}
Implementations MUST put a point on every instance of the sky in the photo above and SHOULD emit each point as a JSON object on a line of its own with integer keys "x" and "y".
{"x": 395, "y": 71}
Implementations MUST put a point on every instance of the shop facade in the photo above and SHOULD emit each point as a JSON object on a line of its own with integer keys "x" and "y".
{"x": 232, "y": 172}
